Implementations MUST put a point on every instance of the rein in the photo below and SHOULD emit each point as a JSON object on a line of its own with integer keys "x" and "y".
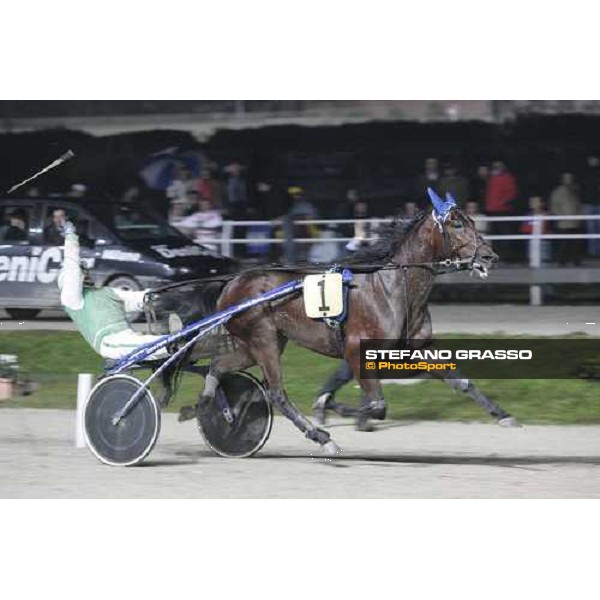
{"x": 444, "y": 265}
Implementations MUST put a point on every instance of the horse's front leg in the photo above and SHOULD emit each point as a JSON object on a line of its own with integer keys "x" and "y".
{"x": 456, "y": 380}
{"x": 267, "y": 354}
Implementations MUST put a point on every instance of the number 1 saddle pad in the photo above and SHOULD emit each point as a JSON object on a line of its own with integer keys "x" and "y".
{"x": 323, "y": 295}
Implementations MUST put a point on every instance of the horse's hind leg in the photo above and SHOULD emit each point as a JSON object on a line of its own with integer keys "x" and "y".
{"x": 372, "y": 404}
{"x": 458, "y": 382}
{"x": 224, "y": 363}
{"x": 326, "y": 397}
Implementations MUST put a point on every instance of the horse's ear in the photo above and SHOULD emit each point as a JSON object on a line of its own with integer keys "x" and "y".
{"x": 438, "y": 203}
{"x": 450, "y": 201}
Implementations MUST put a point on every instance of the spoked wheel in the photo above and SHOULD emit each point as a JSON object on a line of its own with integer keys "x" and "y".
{"x": 252, "y": 415}
{"x": 130, "y": 440}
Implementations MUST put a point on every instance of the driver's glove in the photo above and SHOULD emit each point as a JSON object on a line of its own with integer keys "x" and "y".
{"x": 68, "y": 228}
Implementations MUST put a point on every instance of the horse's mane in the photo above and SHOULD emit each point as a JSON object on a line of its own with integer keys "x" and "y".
{"x": 391, "y": 237}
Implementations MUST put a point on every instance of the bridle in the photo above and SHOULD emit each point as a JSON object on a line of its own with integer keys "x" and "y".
{"x": 449, "y": 263}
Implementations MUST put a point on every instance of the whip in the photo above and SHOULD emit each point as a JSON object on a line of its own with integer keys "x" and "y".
{"x": 59, "y": 161}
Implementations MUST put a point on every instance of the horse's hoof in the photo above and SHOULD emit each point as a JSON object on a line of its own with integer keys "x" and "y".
{"x": 187, "y": 413}
{"x": 364, "y": 425}
{"x": 378, "y": 410}
{"x": 379, "y": 414}
{"x": 320, "y": 436}
{"x": 509, "y": 422}
{"x": 330, "y": 449}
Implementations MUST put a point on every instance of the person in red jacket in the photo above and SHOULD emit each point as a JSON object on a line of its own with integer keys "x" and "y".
{"x": 501, "y": 191}
{"x": 500, "y": 197}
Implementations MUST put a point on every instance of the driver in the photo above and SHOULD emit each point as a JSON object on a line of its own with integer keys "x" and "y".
{"x": 101, "y": 313}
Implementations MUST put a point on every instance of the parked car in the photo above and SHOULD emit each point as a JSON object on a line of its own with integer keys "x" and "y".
{"x": 125, "y": 245}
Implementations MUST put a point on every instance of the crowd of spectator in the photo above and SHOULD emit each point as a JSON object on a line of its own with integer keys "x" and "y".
{"x": 494, "y": 191}
{"x": 198, "y": 206}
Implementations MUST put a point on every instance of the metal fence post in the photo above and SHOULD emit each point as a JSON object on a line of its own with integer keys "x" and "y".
{"x": 226, "y": 236}
{"x": 535, "y": 260}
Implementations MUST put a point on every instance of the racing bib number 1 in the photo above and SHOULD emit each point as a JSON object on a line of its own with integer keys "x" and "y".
{"x": 323, "y": 295}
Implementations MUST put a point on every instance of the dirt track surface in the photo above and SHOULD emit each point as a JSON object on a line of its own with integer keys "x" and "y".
{"x": 511, "y": 319}
{"x": 401, "y": 460}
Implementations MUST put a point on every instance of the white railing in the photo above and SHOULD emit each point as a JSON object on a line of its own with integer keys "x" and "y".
{"x": 227, "y": 241}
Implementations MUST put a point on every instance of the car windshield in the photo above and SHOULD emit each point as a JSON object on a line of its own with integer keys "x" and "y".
{"x": 132, "y": 222}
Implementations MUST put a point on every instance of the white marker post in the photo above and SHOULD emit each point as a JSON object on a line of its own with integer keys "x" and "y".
{"x": 535, "y": 260}
{"x": 84, "y": 387}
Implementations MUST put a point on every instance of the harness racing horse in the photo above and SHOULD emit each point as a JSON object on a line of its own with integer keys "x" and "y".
{"x": 386, "y": 301}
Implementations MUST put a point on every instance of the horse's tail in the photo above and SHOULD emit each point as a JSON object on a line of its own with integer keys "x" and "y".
{"x": 191, "y": 301}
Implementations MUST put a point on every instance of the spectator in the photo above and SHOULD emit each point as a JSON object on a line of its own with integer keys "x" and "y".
{"x": 179, "y": 194}
{"x": 131, "y": 194}
{"x": 210, "y": 189}
{"x": 409, "y": 210}
{"x": 362, "y": 228}
{"x": 537, "y": 208}
{"x": 500, "y": 198}
{"x": 268, "y": 200}
{"x": 564, "y": 200}
{"x": 345, "y": 210}
{"x": 53, "y": 232}
{"x": 472, "y": 210}
{"x": 204, "y": 225}
{"x": 237, "y": 204}
{"x": 454, "y": 184}
{"x": 501, "y": 191}
{"x": 17, "y": 227}
{"x": 479, "y": 184}
{"x": 193, "y": 203}
{"x": 301, "y": 210}
{"x": 590, "y": 194}
{"x": 429, "y": 178}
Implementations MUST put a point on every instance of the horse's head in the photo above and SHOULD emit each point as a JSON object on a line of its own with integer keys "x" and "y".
{"x": 460, "y": 242}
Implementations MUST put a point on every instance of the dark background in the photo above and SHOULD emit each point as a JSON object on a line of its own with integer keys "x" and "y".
{"x": 381, "y": 159}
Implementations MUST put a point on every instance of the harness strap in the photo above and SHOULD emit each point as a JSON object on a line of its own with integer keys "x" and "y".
{"x": 441, "y": 266}
{"x": 406, "y": 307}
{"x": 336, "y": 323}
{"x": 339, "y": 333}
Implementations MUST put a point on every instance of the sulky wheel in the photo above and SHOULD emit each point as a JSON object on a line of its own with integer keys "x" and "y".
{"x": 252, "y": 417}
{"x": 131, "y": 439}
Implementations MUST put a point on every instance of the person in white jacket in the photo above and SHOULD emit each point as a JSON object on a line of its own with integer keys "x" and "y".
{"x": 101, "y": 313}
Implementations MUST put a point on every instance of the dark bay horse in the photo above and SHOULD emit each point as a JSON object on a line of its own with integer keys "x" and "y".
{"x": 389, "y": 301}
